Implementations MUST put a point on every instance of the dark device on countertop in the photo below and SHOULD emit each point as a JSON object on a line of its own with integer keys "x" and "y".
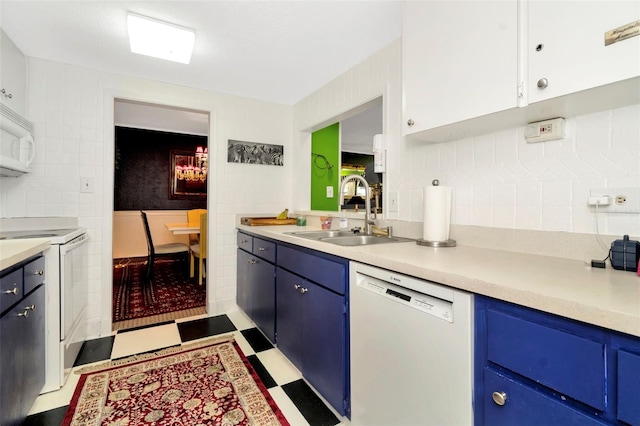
{"x": 625, "y": 254}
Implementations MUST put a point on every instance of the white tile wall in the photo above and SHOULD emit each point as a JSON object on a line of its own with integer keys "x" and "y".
{"x": 70, "y": 109}
{"x": 498, "y": 180}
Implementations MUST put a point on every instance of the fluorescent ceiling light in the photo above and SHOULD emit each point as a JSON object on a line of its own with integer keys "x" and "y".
{"x": 160, "y": 39}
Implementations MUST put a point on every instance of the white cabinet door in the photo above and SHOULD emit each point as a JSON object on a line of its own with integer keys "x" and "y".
{"x": 13, "y": 75}
{"x": 460, "y": 60}
{"x": 566, "y": 46}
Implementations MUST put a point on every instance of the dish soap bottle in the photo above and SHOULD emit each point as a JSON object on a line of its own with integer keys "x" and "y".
{"x": 344, "y": 223}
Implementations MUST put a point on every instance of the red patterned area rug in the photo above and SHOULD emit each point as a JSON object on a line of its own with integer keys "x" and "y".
{"x": 209, "y": 383}
{"x": 171, "y": 289}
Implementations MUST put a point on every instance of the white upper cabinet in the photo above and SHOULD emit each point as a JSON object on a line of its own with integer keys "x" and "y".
{"x": 566, "y": 48}
{"x": 474, "y": 67}
{"x": 460, "y": 61}
{"x": 13, "y": 75}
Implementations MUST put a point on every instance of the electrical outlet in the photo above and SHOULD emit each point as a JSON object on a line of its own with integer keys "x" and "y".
{"x": 625, "y": 200}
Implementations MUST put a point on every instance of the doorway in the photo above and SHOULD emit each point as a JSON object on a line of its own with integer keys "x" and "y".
{"x": 151, "y": 144}
{"x": 346, "y": 147}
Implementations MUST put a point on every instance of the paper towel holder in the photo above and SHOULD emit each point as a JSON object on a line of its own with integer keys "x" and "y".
{"x": 446, "y": 243}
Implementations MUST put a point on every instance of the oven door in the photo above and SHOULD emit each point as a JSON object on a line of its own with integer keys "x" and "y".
{"x": 74, "y": 282}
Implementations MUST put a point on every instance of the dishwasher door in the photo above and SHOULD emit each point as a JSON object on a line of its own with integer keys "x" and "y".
{"x": 411, "y": 350}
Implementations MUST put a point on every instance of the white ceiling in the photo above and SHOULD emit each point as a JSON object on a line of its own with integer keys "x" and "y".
{"x": 276, "y": 51}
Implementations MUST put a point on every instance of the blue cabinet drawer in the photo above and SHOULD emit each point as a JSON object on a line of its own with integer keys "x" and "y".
{"x": 325, "y": 272}
{"x": 33, "y": 274}
{"x": 629, "y": 387}
{"x": 10, "y": 289}
{"x": 525, "y": 406}
{"x": 264, "y": 249}
{"x": 245, "y": 242}
{"x": 570, "y": 364}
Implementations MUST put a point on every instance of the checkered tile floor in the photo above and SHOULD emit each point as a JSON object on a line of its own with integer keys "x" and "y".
{"x": 298, "y": 402}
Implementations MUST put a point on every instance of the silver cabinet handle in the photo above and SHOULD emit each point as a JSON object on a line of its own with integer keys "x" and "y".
{"x": 297, "y": 287}
{"x": 304, "y": 290}
{"x": 39, "y": 272}
{"x": 261, "y": 249}
{"x": 542, "y": 83}
{"x": 499, "y": 398}
{"x": 244, "y": 241}
{"x": 251, "y": 262}
{"x": 410, "y": 122}
{"x": 14, "y": 291}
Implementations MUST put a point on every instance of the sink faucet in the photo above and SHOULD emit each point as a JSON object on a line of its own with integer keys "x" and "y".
{"x": 368, "y": 220}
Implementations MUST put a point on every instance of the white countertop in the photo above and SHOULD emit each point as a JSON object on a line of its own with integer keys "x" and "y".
{"x": 15, "y": 251}
{"x": 605, "y": 297}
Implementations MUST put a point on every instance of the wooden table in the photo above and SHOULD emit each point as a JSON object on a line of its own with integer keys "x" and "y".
{"x": 182, "y": 228}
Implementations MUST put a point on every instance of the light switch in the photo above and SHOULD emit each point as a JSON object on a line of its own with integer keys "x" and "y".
{"x": 329, "y": 191}
{"x": 393, "y": 202}
{"x": 86, "y": 184}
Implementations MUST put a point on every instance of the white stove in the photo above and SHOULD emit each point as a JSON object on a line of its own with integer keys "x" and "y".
{"x": 57, "y": 236}
{"x": 66, "y": 284}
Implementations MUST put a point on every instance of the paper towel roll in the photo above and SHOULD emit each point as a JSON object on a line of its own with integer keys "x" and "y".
{"x": 437, "y": 213}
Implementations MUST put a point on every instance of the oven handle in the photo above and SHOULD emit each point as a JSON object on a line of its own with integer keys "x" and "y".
{"x": 74, "y": 244}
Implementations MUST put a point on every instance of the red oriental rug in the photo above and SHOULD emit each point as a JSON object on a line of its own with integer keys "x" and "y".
{"x": 171, "y": 289}
{"x": 208, "y": 383}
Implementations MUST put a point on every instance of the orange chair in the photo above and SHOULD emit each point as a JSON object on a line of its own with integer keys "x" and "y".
{"x": 193, "y": 219}
{"x": 199, "y": 250}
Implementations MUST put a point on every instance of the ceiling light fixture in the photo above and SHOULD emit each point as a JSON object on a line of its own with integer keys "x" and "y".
{"x": 151, "y": 37}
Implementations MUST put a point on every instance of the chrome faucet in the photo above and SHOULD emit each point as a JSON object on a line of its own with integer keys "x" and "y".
{"x": 368, "y": 221}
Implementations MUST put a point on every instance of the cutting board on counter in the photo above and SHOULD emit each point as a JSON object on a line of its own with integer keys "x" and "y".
{"x": 266, "y": 221}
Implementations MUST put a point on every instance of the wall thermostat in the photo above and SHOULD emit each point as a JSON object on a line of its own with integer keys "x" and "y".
{"x": 546, "y": 130}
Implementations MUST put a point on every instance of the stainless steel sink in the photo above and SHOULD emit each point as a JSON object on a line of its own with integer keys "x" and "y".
{"x": 347, "y": 238}
{"x": 316, "y": 235}
{"x": 364, "y": 240}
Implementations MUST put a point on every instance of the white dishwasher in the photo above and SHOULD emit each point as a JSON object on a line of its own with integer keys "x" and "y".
{"x": 411, "y": 350}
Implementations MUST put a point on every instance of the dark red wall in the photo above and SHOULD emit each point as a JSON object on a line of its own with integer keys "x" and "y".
{"x": 142, "y": 169}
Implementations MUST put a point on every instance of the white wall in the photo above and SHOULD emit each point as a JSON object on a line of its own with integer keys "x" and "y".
{"x": 72, "y": 109}
{"x": 498, "y": 180}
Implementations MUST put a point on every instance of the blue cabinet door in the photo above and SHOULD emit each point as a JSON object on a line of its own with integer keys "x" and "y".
{"x": 243, "y": 293}
{"x": 34, "y": 335}
{"x": 22, "y": 360}
{"x": 629, "y": 387}
{"x": 324, "y": 354}
{"x": 525, "y": 406}
{"x": 263, "y": 296}
{"x": 289, "y": 315}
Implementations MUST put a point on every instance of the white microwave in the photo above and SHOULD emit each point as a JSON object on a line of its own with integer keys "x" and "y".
{"x": 17, "y": 148}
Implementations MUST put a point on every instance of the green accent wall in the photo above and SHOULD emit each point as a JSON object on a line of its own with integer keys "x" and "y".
{"x": 325, "y": 142}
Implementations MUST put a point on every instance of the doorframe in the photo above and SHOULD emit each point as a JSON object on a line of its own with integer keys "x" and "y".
{"x": 174, "y": 100}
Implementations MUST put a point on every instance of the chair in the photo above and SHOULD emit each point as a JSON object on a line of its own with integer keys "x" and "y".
{"x": 163, "y": 250}
{"x": 193, "y": 219}
{"x": 199, "y": 250}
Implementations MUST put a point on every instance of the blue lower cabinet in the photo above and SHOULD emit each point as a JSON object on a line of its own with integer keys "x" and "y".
{"x": 256, "y": 285}
{"x": 312, "y": 326}
{"x": 509, "y": 402}
{"x": 263, "y": 297}
{"x": 629, "y": 387}
{"x": 289, "y": 310}
{"x": 243, "y": 283}
{"x": 535, "y": 368}
{"x": 22, "y": 357}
